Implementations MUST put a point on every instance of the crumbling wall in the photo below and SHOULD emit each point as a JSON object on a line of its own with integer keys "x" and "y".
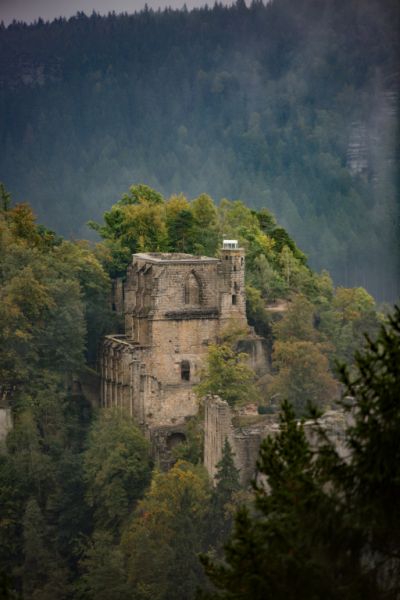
{"x": 334, "y": 424}
{"x": 163, "y": 442}
{"x": 117, "y": 296}
{"x": 217, "y": 427}
{"x": 245, "y": 445}
{"x": 221, "y": 423}
{"x": 175, "y": 306}
{"x": 5, "y": 424}
{"x": 244, "y": 442}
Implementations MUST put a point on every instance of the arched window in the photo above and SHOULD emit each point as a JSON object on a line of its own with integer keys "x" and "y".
{"x": 175, "y": 439}
{"x": 192, "y": 290}
{"x": 185, "y": 370}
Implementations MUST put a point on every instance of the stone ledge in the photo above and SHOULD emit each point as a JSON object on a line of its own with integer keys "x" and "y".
{"x": 175, "y": 258}
{"x": 193, "y": 313}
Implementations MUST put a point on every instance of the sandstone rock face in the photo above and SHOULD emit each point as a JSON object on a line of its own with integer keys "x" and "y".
{"x": 245, "y": 432}
{"x": 371, "y": 150}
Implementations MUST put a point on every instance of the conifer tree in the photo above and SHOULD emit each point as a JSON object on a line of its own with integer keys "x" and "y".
{"x": 283, "y": 549}
{"x": 36, "y": 555}
{"x": 227, "y": 476}
{"x": 227, "y": 483}
{"x": 371, "y": 480}
{"x": 185, "y": 573}
{"x": 325, "y": 526}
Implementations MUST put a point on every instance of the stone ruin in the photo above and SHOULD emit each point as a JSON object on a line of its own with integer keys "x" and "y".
{"x": 245, "y": 430}
{"x": 173, "y": 306}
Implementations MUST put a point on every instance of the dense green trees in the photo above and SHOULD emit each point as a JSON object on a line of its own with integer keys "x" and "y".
{"x": 324, "y": 525}
{"x": 53, "y": 293}
{"x": 116, "y": 474}
{"x": 42, "y": 494}
{"x": 54, "y": 297}
{"x": 227, "y": 375}
{"x": 319, "y": 324}
{"x": 116, "y": 467}
{"x": 372, "y": 481}
{"x": 224, "y": 499}
{"x": 303, "y": 377}
{"x": 166, "y": 534}
{"x": 287, "y": 104}
{"x": 82, "y": 515}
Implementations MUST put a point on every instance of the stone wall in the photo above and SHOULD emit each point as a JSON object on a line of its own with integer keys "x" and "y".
{"x": 245, "y": 437}
{"x": 177, "y": 340}
{"x": 163, "y": 441}
{"x": 117, "y": 292}
{"x": 174, "y": 306}
{"x": 5, "y": 424}
{"x": 217, "y": 428}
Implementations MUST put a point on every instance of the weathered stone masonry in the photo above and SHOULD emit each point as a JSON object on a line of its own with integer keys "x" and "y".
{"x": 174, "y": 306}
{"x": 245, "y": 438}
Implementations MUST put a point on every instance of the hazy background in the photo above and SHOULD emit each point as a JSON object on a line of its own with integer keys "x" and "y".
{"x": 30, "y": 10}
{"x": 291, "y": 106}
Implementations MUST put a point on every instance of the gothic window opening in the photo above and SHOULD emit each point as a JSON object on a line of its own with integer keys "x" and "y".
{"x": 192, "y": 290}
{"x": 185, "y": 370}
{"x": 234, "y": 299}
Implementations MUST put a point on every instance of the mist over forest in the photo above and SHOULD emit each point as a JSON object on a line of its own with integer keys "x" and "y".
{"x": 175, "y": 427}
{"x": 290, "y": 106}
{"x": 94, "y": 508}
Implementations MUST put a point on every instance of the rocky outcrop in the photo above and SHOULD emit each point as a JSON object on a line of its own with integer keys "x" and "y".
{"x": 245, "y": 430}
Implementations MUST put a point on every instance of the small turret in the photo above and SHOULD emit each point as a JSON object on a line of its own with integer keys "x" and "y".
{"x": 233, "y": 298}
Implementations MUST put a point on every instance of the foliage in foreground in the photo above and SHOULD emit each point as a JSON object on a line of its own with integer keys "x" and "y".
{"x": 70, "y": 488}
{"x": 323, "y": 526}
{"x": 117, "y": 468}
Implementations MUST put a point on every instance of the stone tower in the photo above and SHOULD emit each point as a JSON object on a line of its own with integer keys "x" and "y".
{"x": 174, "y": 306}
{"x": 233, "y": 298}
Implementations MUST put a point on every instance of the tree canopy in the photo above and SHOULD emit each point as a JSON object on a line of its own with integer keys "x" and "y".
{"x": 83, "y": 516}
{"x": 285, "y": 104}
{"x": 324, "y": 525}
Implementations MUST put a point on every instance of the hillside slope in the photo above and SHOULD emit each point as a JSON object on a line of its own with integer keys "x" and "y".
{"x": 292, "y": 106}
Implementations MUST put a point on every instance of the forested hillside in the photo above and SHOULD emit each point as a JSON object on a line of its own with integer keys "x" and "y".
{"x": 85, "y": 515}
{"x": 290, "y": 106}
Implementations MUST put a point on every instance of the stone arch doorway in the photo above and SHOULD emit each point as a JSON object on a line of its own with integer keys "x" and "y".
{"x": 174, "y": 439}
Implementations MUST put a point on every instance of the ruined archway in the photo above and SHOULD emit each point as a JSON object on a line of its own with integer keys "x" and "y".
{"x": 192, "y": 290}
{"x": 174, "y": 439}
